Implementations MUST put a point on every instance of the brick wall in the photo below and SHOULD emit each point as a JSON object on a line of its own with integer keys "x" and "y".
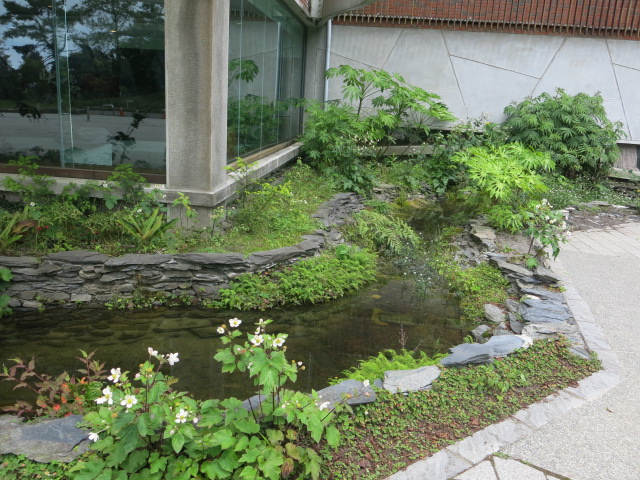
{"x": 607, "y": 18}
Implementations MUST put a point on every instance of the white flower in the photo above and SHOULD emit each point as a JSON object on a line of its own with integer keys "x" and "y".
{"x": 138, "y": 376}
{"x": 235, "y": 322}
{"x": 195, "y": 420}
{"x": 173, "y": 358}
{"x": 105, "y": 184}
{"x": 181, "y": 416}
{"x": 258, "y": 331}
{"x": 278, "y": 342}
{"x": 257, "y": 340}
{"x": 129, "y": 401}
{"x": 261, "y": 322}
{"x": 94, "y": 437}
{"x": 32, "y": 204}
{"x": 220, "y": 330}
{"x": 107, "y": 397}
{"x": 139, "y": 210}
{"x": 365, "y": 383}
{"x": 115, "y": 375}
{"x": 299, "y": 364}
{"x": 152, "y": 352}
{"x": 324, "y": 406}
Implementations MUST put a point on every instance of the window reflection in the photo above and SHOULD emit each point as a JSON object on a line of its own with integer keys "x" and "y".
{"x": 82, "y": 83}
{"x": 265, "y": 76}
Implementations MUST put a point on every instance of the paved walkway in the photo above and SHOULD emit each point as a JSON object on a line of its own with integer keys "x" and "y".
{"x": 591, "y": 432}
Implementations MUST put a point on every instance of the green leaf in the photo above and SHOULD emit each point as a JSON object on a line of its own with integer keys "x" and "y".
{"x": 332, "y": 435}
{"x": 248, "y": 425}
{"x": 177, "y": 441}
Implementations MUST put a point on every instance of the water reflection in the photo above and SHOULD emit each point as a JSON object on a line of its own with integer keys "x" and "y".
{"x": 327, "y": 338}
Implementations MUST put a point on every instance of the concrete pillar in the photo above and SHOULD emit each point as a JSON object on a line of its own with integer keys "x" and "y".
{"x": 196, "y": 52}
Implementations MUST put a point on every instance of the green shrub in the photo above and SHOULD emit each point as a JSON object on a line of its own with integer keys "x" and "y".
{"x": 504, "y": 180}
{"x": 373, "y": 368}
{"x": 574, "y": 129}
{"x": 313, "y": 280}
{"x": 384, "y": 233}
{"x": 440, "y": 168}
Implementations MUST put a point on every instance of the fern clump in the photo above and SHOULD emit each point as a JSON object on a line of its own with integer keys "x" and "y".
{"x": 373, "y": 368}
{"x": 384, "y": 233}
{"x": 574, "y": 129}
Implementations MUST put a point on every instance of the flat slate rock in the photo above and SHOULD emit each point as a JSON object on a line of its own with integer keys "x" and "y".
{"x": 18, "y": 262}
{"x": 505, "y": 344}
{"x": 274, "y": 256}
{"x": 351, "y": 392}
{"x": 468, "y": 354}
{"x": 133, "y": 259}
{"x": 211, "y": 258}
{"x": 78, "y": 256}
{"x": 400, "y": 381}
{"x": 46, "y": 440}
{"x": 493, "y": 313}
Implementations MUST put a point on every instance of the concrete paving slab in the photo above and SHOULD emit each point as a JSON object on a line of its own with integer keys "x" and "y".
{"x": 512, "y": 470}
{"x": 550, "y": 408}
{"x": 489, "y": 440}
{"x": 441, "y": 466}
{"x": 482, "y": 471}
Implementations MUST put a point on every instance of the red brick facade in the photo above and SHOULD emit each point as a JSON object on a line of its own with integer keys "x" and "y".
{"x": 606, "y": 18}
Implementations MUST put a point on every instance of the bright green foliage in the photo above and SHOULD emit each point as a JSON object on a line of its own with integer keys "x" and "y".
{"x": 504, "y": 179}
{"x": 336, "y": 142}
{"x": 311, "y": 280}
{"x": 5, "y": 278}
{"x": 473, "y": 285}
{"x": 441, "y": 170}
{"x": 548, "y": 227}
{"x": 384, "y": 233}
{"x": 564, "y": 193}
{"x": 11, "y": 227}
{"x": 373, "y": 368}
{"x": 143, "y": 429}
{"x": 378, "y": 110}
{"x": 574, "y": 129}
{"x": 145, "y": 228}
{"x": 392, "y": 108}
{"x": 130, "y": 183}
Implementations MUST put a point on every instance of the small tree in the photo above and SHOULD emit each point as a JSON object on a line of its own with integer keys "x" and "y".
{"x": 574, "y": 129}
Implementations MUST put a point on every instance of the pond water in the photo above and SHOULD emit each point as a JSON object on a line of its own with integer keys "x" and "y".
{"x": 328, "y": 338}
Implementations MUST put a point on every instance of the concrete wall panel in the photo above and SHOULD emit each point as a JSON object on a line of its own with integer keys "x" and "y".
{"x": 478, "y": 72}
{"x": 629, "y": 82}
{"x": 625, "y": 53}
{"x": 581, "y": 65}
{"x": 369, "y": 46}
{"x": 529, "y": 55}
{"x": 487, "y": 90}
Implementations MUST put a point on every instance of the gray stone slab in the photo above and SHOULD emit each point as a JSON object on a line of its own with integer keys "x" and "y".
{"x": 277, "y": 255}
{"x": 396, "y": 381}
{"x": 548, "y": 409}
{"x": 351, "y": 392}
{"x": 505, "y": 344}
{"x": 134, "y": 259}
{"x": 489, "y": 440}
{"x": 594, "y": 336}
{"x": 19, "y": 262}
{"x": 440, "y": 466}
{"x": 468, "y": 354}
{"x": 595, "y": 385}
{"x": 482, "y": 471}
{"x": 212, "y": 259}
{"x": 78, "y": 256}
{"x": 513, "y": 470}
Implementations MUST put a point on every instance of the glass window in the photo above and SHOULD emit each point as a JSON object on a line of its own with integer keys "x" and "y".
{"x": 266, "y": 47}
{"x": 82, "y": 83}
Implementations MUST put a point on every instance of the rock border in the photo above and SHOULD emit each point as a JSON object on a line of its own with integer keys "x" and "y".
{"x": 72, "y": 278}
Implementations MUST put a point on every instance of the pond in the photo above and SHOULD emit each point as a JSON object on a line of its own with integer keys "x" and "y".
{"x": 327, "y": 338}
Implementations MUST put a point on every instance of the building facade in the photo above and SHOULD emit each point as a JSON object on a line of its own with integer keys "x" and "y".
{"x": 179, "y": 89}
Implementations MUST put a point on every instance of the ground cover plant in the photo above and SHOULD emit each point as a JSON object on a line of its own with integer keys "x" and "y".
{"x": 384, "y": 437}
{"x": 123, "y": 215}
{"x": 318, "y": 279}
